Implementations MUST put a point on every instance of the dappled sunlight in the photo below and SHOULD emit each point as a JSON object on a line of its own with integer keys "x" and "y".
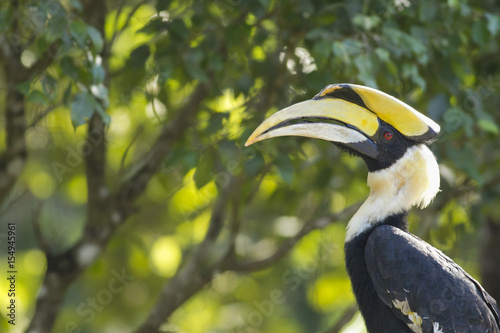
{"x": 330, "y": 292}
{"x": 120, "y": 126}
{"x": 198, "y": 314}
{"x": 76, "y": 189}
{"x": 356, "y": 325}
{"x": 130, "y": 38}
{"x": 138, "y": 262}
{"x": 193, "y": 231}
{"x": 189, "y": 198}
{"x": 42, "y": 185}
{"x": 35, "y": 262}
{"x": 165, "y": 256}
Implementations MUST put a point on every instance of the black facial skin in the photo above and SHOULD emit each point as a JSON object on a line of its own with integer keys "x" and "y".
{"x": 389, "y": 150}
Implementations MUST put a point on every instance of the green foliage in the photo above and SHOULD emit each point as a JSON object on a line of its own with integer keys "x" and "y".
{"x": 256, "y": 57}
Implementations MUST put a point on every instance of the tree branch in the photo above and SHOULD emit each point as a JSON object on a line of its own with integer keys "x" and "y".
{"x": 64, "y": 268}
{"x": 127, "y": 21}
{"x": 199, "y": 270}
{"x": 313, "y": 224}
{"x": 149, "y": 165}
{"x": 44, "y": 61}
{"x": 344, "y": 320}
{"x": 12, "y": 160}
{"x": 39, "y": 236}
{"x": 137, "y": 133}
{"x": 42, "y": 114}
{"x": 95, "y": 168}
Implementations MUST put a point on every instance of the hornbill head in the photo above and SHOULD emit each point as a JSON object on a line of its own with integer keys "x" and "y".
{"x": 388, "y": 134}
{"x": 365, "y": 121}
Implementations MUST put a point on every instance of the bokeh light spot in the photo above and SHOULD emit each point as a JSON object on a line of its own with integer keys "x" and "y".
{"x": 34, "y": 262}
{"x": 77, "y": 190}
{"x": 136, "y": 293}
{"x": 165, "y": 256}
{"x": 41, "y": 185}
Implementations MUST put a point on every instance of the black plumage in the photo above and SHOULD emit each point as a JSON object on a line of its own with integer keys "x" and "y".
{"x": 391, "y": 268}
{"x": 378, "y": 316}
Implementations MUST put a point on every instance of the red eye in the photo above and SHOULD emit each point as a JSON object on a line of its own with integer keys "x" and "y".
{"x": 388, "y": 136}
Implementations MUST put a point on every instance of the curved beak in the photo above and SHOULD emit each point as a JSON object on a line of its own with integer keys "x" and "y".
{"x": 348, "y": 115}
{"x": 333, "y": 120}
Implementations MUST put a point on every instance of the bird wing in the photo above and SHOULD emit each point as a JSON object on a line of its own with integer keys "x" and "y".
{"x": 425, "y": 288}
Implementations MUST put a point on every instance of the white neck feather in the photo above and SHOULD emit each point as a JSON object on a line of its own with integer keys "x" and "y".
{"x": 412, "y": 181}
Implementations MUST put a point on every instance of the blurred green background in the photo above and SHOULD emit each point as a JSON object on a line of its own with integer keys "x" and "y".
{"x": 128, "y": 120}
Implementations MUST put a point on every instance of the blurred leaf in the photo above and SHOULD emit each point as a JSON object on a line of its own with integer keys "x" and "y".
{"x": 5, "y": 19}
{"x": 348, "y": 47}
{"x": 96, "y": 38}
{"x": 37, "y": 97}
{"x": 154, "y": 26}
{"x": 254, "y": 165}
{"x": 215, "y": 62}
{"x": 438, "y": 106}
{"x": 427, "y": 11}
{"x": 464, "y": 158}
{"x": 82, "y": 108}
{"x": 24, "y": 88}
{"x": 162, "y": 5}
{"x": 493, "y": 23}
{"x": 101, "y": 92}
{"x": 411, "y": 71}
{"x": 41, "y": 45}
{"x": 480, "y": 32}
{"x": 49, "y": 85}
{"x": 192, "y": 61}
{"x": 69, "y": 68}
{"x": 182, "y": 156}
{"x": 234, "y": 34}
{"x": 364, "y": 63}
{"x": 455, "y": 118}
{"x": 215, "y": 122}
{"x": 244, "y": 83}
{"x": 55, "y": 9}
{"x": 204, "y": 170}
{"x": 285, "y": 168}
{"x": 488, "y": 126}
{"x": 67, "y": 95}
{"x": 106, "y": 118}
{"x": 78, "y": 31}
{"x": 139, "y": 56}
{"x": 383, "y": 54}
{"x": 76, "y": 4}
{"x": 487, "y": 123}
{"x": 98, "y": 73}
{"x": 317, "y": 33}
{"x": 366, "y": 22}
{"x": 178, "y": 29}
{"x": 56, "y": 27}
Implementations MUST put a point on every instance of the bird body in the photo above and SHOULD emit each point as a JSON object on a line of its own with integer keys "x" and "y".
{"x": 415, "y": 286}
{"x": 401, "y": 283}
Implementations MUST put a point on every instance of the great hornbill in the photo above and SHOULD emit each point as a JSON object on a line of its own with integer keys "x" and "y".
{"x": 401, "y": 283}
